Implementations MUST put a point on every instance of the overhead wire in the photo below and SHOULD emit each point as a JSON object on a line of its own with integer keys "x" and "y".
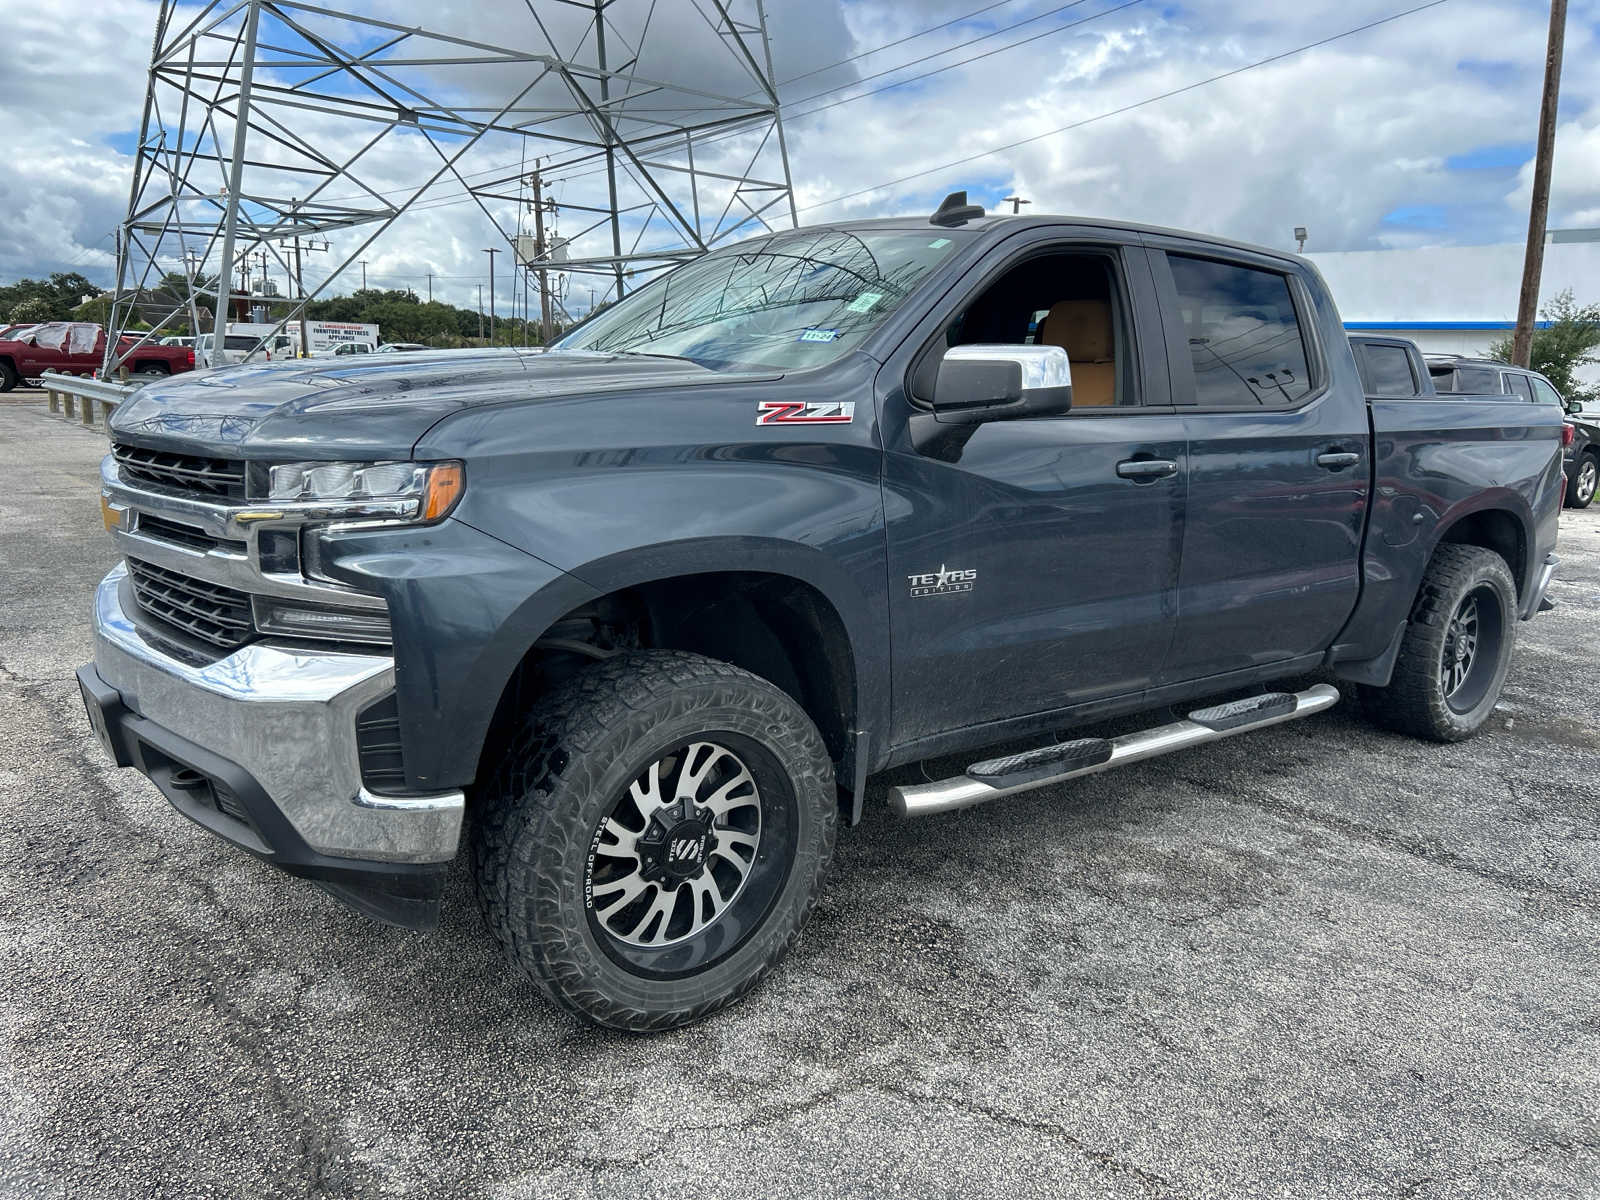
{"x": 1126, "y": 108}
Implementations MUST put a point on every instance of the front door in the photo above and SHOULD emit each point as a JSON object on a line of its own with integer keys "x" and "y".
{"x": 1278, "y": 464}
{"x": 1033, "y": 563}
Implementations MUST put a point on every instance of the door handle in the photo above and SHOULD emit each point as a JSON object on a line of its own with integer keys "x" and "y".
{"x": 1146, "y": 468}
{"x": 1336, "y": 460}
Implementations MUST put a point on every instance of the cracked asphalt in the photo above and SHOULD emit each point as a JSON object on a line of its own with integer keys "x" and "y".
{"x": 1316, "y": 961}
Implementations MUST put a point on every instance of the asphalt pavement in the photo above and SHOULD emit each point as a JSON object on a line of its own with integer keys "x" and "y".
{"x": 1315, "y": 961}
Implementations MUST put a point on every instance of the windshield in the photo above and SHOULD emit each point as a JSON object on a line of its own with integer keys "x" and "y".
{"x": 789, "y": 301}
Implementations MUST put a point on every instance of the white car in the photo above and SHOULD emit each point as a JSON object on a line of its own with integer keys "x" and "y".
{"x": 236, "y": 345}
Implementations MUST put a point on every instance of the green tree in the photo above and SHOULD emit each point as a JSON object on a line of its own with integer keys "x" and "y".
{"x": 1568, "y": 343}
{"x": 33, "y": 309}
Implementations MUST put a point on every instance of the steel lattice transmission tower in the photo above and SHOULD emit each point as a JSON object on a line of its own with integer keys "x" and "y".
{"x": 654, "y": 124}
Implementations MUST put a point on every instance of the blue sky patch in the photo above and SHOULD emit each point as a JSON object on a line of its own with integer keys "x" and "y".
{"x": 1418, "y": 216}
{"x": 1489, "y": 158}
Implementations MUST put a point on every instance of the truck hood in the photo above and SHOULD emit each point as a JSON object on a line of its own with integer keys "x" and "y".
{"x": 377, "y": 407}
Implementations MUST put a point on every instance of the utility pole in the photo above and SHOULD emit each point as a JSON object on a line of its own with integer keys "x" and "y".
{"x": 363, "y": 274}
{"x": 1539, "y": 209}
{"x": 547, "y": 332}
{"x": 1016, "y": 203}
{"x": 299, "y": 281}
{"x": 430, "y": 287}
{"x": 491, "y": 251}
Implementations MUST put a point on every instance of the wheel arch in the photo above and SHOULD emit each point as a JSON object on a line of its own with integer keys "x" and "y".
{"x": 1498, "y": 521}
{"x": 787, "y": 613}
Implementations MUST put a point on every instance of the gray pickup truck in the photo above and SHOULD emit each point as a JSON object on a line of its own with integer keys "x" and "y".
{"x": 633, "y": 621}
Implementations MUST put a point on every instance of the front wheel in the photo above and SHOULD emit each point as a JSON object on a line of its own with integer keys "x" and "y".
{"x": 8, "y": 377}
{"x": 655, "y": 838}
{"x": 1455, "y": 651}
{"x": 1581, "y": 489}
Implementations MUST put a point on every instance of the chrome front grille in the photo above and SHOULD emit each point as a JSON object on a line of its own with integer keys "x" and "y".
{"x": 190, "y": 536}
{"x": 213, "y": 613}
{"x": 210, "y": 478}
{"x": 197, "y": 571}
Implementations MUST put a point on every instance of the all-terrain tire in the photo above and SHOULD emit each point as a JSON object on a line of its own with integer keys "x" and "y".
{"x": 1416, "y": 700}
{"x": 1585, "y": 479}
{"x": 8, "y": 377}
{"x": 537, "y": 822}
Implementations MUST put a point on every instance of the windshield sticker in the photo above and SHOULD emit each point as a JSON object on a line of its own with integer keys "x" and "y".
{"x": 817, "y": 335}
{"x": 938, "y": 243}
{"x": 792, "y": 412}
{"x": 864, "y": 302}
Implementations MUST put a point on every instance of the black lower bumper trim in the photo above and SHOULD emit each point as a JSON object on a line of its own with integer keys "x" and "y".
{"x": 225, "y": 799}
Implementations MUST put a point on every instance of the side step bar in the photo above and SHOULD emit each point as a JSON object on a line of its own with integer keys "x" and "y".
{"x": 998, "y": 777}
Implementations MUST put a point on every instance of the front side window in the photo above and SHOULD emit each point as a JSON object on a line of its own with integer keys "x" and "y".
{"x": 1245, "y": 340}
{"x": 1546, "y": 394}
{"x": 788, "y": 301}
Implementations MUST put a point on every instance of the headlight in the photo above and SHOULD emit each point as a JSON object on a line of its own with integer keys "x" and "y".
{"x": 433, "y": 487}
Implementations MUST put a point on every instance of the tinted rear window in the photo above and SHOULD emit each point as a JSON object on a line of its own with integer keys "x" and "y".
{"x": 1465, "y": 381}
{"x": 1518, "y": 386}
{"x": 1244, "y": 334}
{"x": 1389, "y": 371}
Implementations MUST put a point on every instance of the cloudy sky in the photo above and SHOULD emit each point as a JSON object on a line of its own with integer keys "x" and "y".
{"x": 1418, "y": 131}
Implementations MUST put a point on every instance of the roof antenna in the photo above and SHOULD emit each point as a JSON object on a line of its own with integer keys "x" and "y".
{"x": 954, "y": 210}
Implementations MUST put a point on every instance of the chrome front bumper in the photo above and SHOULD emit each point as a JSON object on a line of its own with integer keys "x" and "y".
{"x": 287, "y": 718}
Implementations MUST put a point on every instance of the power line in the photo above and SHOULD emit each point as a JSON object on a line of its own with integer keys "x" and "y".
{"x": 1167, "y": 95}
{"x": 464, "y": 195}
{"x": 958, "y": 46}
{"x": 791, "y": 118}
{"x": 897, "y": 42}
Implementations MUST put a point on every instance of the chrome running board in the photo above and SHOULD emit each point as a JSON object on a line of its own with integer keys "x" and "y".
{"x": 1089, "y": 756}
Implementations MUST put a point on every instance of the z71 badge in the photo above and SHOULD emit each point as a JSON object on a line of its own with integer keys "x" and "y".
{"x": 790, "y": 412}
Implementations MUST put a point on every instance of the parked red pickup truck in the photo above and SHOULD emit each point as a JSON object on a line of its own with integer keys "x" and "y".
{"x": 78, "y": 348}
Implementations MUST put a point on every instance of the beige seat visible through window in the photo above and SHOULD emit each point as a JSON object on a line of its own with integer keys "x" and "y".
{"x": 1083, "y": 329}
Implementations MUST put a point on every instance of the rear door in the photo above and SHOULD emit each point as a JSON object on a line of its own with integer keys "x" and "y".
{"x": 1031, "y": 567}
{"x": 1279, "y": 460}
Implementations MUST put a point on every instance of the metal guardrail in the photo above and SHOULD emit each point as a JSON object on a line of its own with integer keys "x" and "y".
{"x": 78, "y": 395}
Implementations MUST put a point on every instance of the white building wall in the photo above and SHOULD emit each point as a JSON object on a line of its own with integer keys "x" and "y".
{"x": 1454, "y": 285}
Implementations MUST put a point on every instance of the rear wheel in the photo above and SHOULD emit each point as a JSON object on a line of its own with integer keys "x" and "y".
{"x": 655, "y": 838}
{"x": 151, "y": 371}
{"x": 8, "y": 377}
{"x": 1581, "y": 488}
{"x": 1455, "y": 651}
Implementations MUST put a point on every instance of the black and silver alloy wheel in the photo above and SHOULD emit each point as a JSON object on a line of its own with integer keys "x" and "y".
{"x": 1471, "y": 650}
{"x": 655, "y": 837}
{"x": 1584, "y": 482}
{"x": 1460, "y": 647}
{"x": 678, "y": 849}
{"x": 1455, "y": 649}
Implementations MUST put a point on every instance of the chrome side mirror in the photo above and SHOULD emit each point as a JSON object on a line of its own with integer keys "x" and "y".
{"x": 994, "y": 382}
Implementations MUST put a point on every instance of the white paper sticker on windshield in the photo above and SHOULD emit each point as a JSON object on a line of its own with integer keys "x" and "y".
{"x": 864, "y": 302}
{"x": 938, "y": 243}
{"x": 818, "y": 335}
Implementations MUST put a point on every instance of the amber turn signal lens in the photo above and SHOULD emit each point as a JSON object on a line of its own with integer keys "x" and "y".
{"x": 445, "y": 482}
{"x": 110, "y": 515}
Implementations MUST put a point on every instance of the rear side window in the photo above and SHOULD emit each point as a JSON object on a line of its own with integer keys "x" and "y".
{"x": 1244, "y": 334}
{"x": 1466, "y": 381}
{"x": 1389, "y": 371}
{"x": 1518, "y": 385}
